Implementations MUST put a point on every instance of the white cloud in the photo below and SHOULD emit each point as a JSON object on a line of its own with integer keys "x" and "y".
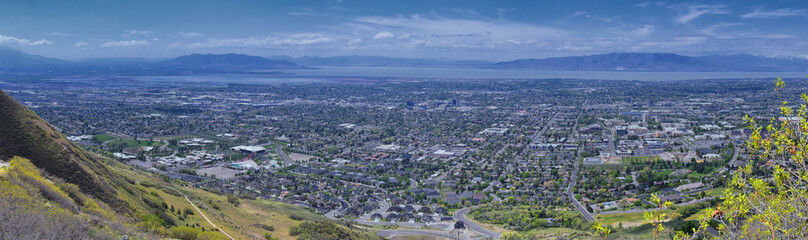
{"x": 688, "y": 13}
{"x": 136, "y": 32}
{"x": 189, "y": 34}
{"x": 80, "y": 44}
{"x": 60, "y": 34}
{"x": 383, "y": 35}
{"x": 777, "y": 13}
{"x": 354, "y": 42}
{"x": 299, "y": 39}
{"x": 643, "y": 4}
{"x": 643, "y": 31}
{"x": 21, "y": 41}
{"x": 131, "y": 43}
{"x": 40, "y": 42}
{"x": 454, "y": 33}
{"x": 711, "y": 30}
{"x": 301, "y": 11}
{"x": 777, "y": 36}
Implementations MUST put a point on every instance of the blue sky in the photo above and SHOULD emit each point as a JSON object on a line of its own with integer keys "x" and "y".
{"x": 487, "y": 30}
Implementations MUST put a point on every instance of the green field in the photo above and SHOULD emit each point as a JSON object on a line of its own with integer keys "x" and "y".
{"x": 135, "y": 143}
{"x": 715, "y": 192}
{"x": 626, "y": 218}
{"x": 102, "y": 138}
{"x": 645, "y": 231}
{"x": 555, "y": 232}
{"x": 641, "y": 160}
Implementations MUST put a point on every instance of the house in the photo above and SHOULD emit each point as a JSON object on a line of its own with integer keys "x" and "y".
{"x": 671, "y": 198}
{"x": 427, "y": 219}
{"x": 689, "y": 186}
{"x": 376, "y": 216}
{"x": 395, "y": 209}
{"x": 441, "y": 211}
{"x": 406, "y": 216}
{"x": 392, "y": 217}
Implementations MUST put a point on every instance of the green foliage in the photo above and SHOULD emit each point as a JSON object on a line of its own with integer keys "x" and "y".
{"x": 324, "y": 230}
{"x": 184, "y": 233}
{"x": 601, "y": 230}
{"x": 656, "y": 216}
{"x": 187, "y": 211}
{"x": 526, "y": 217}
{"x": 767, "y": 199}
{"x": 28, "y": 136}
{"x": 268, "y": 236}
{"x": 32, "y": 207}
{"x": 233, "y": 200}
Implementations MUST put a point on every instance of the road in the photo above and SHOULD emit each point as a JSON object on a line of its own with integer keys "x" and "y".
{"x": 550, "y": 122}
{"x": 460, "y": 215}
{"x": 734, "y": 161}
{"x": 393, "y": 233}
{"x": 278, "y": 149}
{"x": 574, "y": 179}
{"x": 652, "y": 209}
{"x": 574, "y": 201}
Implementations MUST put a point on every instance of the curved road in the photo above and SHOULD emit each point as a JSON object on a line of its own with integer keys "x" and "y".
{"x": 460, "y": 215}
{"x": 393, "y": 233}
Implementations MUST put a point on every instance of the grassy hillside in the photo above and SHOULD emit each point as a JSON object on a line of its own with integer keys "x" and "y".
{"x": 250, "y": 219}
{"x": 28, "y": 136}
{"x": 33, "y": 207}
{"x": 53, "y": 189}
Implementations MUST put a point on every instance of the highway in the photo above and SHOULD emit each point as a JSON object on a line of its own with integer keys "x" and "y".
{"x": 574, "y": 201}
{"x": 574, "y": 179}
{"x": 460, "y": 215}
{"x": 734, "y": 161}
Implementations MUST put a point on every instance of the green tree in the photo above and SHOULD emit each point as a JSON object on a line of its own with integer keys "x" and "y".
{"x": 768, "y": 198}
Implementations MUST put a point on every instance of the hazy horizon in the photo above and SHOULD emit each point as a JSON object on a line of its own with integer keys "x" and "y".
{"x": 456, "y": 30}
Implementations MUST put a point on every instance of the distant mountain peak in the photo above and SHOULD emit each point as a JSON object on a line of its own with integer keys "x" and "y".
{"x": 228, "y": 61}
{"x": 657, "y": 62}
{"x": 14, "y": 58}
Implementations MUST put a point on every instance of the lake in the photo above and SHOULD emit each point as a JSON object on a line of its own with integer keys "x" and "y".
{"x": 325, "y": 74}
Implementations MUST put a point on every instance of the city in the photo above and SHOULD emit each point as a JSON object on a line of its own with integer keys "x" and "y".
{"x": 403, "y": 120}
{"x": 427, "y": 154}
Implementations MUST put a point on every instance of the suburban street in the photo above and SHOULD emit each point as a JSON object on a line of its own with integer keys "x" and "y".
{"x": 460, "y": 215}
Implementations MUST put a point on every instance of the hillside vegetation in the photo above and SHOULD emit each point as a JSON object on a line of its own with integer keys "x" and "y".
{"x": 53, "y": 189}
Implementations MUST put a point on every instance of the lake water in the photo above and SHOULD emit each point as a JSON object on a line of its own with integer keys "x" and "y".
{"x": 467, "y": 73}
{"x": 325, "y": 74}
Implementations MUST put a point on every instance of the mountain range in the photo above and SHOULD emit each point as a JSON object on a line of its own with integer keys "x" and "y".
{"x": 659, "y": 62}
{"x": 642, "y": 62}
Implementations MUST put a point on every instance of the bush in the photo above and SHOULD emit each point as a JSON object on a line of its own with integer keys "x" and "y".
{"x": 184, "y": 233}
{"x": 233, "y": 200}
{"x": 268, "y": 236}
